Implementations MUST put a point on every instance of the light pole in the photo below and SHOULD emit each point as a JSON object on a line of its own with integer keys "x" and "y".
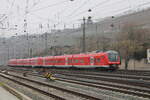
{"x": 46, "y": 47}
{"x": 83, "y": 37}
{"x": 97, "y": 38}
{"x": 26, "y": 26}
{"x": 7, "y": 47}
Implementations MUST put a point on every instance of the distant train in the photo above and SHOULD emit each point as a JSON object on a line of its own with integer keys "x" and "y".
{"x": 106, "y": 60}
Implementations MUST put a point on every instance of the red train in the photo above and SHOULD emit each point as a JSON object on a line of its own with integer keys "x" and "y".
{"x": 107, "y": 60}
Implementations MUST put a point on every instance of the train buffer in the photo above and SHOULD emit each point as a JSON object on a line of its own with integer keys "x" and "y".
{"x": 49, "y": 76}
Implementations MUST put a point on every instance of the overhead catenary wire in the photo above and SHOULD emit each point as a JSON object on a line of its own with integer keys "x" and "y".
{"x": 144, "y": 4}
{"x": 36, "y": 3}
{"x": 9, "y": 11}
{"x": 52, "y": 5}
{"x": 121, "y": 10}
{"x": 94, "y": 7}
{"x": 118, "y": 11}
{"x": 85, "y": 11}
{"x": 42, "y": 18}
{"x": 125, "y": 10}
{"x": 78, "y": 8}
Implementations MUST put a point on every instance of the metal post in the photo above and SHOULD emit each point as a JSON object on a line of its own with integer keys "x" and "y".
{"x": 8, "y": 51}
{"x": 46, "y": 43}
{"x": 28, "y": 44}
{"x": 83, "y": 40}
{"x": 25, "y": 27}
{"x": 97, "y": 39}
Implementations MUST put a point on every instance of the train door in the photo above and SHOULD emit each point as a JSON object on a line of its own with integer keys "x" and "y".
{"x": 92, "y": 60}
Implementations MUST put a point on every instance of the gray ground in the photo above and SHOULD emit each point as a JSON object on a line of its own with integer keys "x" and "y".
{"x": 5, "y": 95}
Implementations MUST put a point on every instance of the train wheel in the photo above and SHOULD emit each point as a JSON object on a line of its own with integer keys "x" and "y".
{"x": 113, "y": 67}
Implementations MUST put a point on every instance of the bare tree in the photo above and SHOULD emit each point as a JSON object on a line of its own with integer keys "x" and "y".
{"x": 131, "y": 40}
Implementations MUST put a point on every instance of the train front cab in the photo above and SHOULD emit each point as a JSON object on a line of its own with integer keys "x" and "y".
{"x": 113, "y": 60}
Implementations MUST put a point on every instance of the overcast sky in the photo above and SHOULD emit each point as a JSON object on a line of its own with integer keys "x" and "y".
{"x": 59, "y": 12}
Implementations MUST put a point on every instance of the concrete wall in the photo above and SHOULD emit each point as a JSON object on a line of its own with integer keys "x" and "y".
{"x": 136, "y": 65}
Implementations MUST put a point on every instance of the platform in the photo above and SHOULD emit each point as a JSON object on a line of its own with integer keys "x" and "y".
{"x": 5, "y": 95}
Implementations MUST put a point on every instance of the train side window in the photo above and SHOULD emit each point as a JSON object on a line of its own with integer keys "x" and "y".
{"x": 73, "y": 60}
{"x": 97, "y": 60}
{"x": 50, "y": 61}
{"x": 92, "y": 60}
{"x": 102, "y": 57}
{"x": 58, "y": 61}
{"x": 81, "y": 60}
{"x": 69, "y": 61}
{"x": 76, "y": 61}
{"x": 62, "y": 61}
{"x": 46, "y": 61}
{"x": 54, "y": 61}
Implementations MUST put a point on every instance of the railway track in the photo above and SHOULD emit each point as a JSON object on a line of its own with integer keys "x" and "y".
{"x": 134, "y": 72}
{"x": 140, "y": 80}
{"x": 140, "y": 91}
{"x": 31, "y": 87}
{"x": 133, "y": 82}
{"x": 136, "y": 91}
{"x": 96, "y": 71}
{"x": 81, "y": 94}
{"x": 139, "y": 77}
{"x": 121, "y": 72}
{"x": 138, "y": 87}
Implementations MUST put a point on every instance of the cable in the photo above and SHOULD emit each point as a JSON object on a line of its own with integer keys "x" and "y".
{"x": 56, "y": 4}
{"x": 112, "y": 10}
{"x": 101, "y": 3}
{"x": 127, "y": 9}
{"x": 120, "y": 10}
{"x": 95, "y": 6}
{"x": 9, "y": 12}
{"x": 146, "y": 3}
{"x": 39, "y": 17}
{"x": 4, "y": 15}
{"x": 35, "y": 4}
{"x": 74, "y": 11}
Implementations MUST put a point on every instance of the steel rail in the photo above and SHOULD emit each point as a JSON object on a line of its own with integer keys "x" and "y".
{"x": 31, "y": 87}
{"x": 133, "y": 82}
{"x": 62, "y": 89}
{"x": 118, "y": 88}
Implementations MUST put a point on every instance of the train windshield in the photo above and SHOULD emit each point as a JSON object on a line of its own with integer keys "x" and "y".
{"x": 113, "y": 56}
